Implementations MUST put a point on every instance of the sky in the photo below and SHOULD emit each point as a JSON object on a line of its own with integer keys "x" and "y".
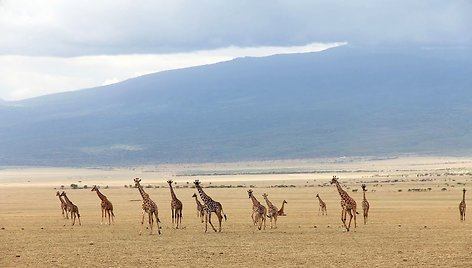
{"x": 49, "y": 46}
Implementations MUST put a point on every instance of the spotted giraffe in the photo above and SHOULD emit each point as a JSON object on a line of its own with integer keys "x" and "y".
{"x": 281, "y": 210}
{"x": 73, "y": 209}
{"x": 175, "y": 206}
{"x": 365, "y": 204}
{"x": 273, "y": 212}
{"x": 106, "y": 205}
{"x": 200, "y": 208}
{"x": 149, "y": 207}
{"x": 348, "y": 205}
{"x": 210, "y": 206}
{"x": 462, "y": 206}
{"x": 322, "y": 210}
{"x": 259, "y": 212}
{"x": 65, "y": 213}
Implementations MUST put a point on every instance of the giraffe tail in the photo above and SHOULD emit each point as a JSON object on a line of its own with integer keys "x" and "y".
{"x": 223, "y": 213}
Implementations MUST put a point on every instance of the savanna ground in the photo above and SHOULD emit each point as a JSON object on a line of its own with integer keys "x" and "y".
{"x": 405, "y": 228}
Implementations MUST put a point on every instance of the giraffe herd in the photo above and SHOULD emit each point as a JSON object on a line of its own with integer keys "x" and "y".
{"x": 209, "y": 206}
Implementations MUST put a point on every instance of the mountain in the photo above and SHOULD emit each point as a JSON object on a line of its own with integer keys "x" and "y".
{"x": 345, "y": 101}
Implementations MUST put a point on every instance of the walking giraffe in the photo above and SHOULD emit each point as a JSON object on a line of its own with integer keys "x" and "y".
{"x": 272, "y": 211}
{"x": 149, "y": 207}
{"x": 462, "y": 206}
{"x": 259, "y": 212}
{"x": 73, "y": 209}
{"x": 322, "y": 210}
{"x": 200, "y": 209}
{"x": 63, "y": 206}
{"x": 106, "y": 205}
{"x": 210, "y": 206}
{"x": 365, "y": 204}
{"x": 281, "y": 210}
{"x": 348, "y": 205}
{"x": 175, "y": 207}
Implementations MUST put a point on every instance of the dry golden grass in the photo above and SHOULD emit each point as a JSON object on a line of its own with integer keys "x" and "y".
{"x": 405, "y": 229}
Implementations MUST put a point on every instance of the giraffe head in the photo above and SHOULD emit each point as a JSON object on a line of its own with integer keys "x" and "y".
{"x": 63, "y": 193}
{"x": 264, "y": 195}
{"x": 58, "y": 194}
{"x": 249, "y": 192}
{"x": 464, "y": 190}
{"x": 334, "y": 180}
{"x": 194, "y": 195}
{"x": 95, "y": 188}
{"x": 317, "y": 195}
{"x": 169, "y": 182}
{"x": 284, "y": 202}
{"x": 196, "y": 182}
{"x": 363, "y": 187}
{"x": 136, "y": 182}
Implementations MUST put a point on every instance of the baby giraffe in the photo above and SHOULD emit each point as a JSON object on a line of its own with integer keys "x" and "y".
{"x": 200, "y": 208}
{"x": 322, "y": 208}
{"x": 65, "y": 213}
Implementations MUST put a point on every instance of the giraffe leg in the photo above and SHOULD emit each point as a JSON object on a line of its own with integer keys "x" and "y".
{"x": 206, "y": 221}
{"x": 103, "y": 214}
{"x": 220, "y": 218}
{"x": 275, "y": 221}
{"x": 343, "y": 218}
{"x": 350, "y": 219}
{"x": 209, "y": 220}
{"x": 157, "y": 224}
{"x": 172, "y": 214}
{"x": 151, "y": 221}
{"x": 142, "y": 224}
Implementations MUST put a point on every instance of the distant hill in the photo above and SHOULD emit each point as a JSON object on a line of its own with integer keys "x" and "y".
{"x": 345, "y": 101}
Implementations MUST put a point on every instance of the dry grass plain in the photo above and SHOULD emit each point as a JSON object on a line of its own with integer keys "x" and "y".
{"x": 405, "y": 229}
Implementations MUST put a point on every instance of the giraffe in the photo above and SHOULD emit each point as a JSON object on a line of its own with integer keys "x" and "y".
{"x": 462, "y": 206}
{"x": 149, "y": 207}
{"x": 281, "y": 210}
{"x": 175, "y": 206}
{"x": 322, "y": 208}
{"x": 348, "y": 205}
{"x": 259, "y": 212}
{"x": 365, "y": 204}
{"x": 210, "y": 206}
{"x": 73, "y": 209}
{"x": 106, "y": 205}
{"x": 272, "y": 211}
{"x": 200, "y": 209}
{"x": 63, "y": 206}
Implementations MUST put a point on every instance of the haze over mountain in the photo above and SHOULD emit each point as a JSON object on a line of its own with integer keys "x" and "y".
{"x": 344, "y": 101}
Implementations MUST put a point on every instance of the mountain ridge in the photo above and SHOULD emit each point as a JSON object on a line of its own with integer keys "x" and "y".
{"x": 341, "y": 101}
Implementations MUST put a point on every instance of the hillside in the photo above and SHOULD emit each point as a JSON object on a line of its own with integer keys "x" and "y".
{"x": 342, "y": 101}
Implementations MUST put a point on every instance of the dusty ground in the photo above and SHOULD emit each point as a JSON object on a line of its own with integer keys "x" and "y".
{"x": 405, "y": 228}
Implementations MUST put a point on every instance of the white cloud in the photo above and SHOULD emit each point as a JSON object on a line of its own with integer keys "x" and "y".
{"x": 28, "y": 77}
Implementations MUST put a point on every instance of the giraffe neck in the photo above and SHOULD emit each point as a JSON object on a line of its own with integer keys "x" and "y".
{"x": 62, "y": 200}
{"x": 198, "y": 202}
{"x": 268, "y": 202}
{"x": 463, "y": 196}
{"x": 342, "y": 193}
{"x": 283, "y": 204}
{"x": 319, "y": 199}
{"x": 205, "y": 198}
{"x": 67, "y": 199}
{"x": 172, "y": 194}
{"x": 254, "y": 201}
{"x": 363, "y": 192}
{"x": 142, "y": 192}
{"x": 100, "y": 195}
